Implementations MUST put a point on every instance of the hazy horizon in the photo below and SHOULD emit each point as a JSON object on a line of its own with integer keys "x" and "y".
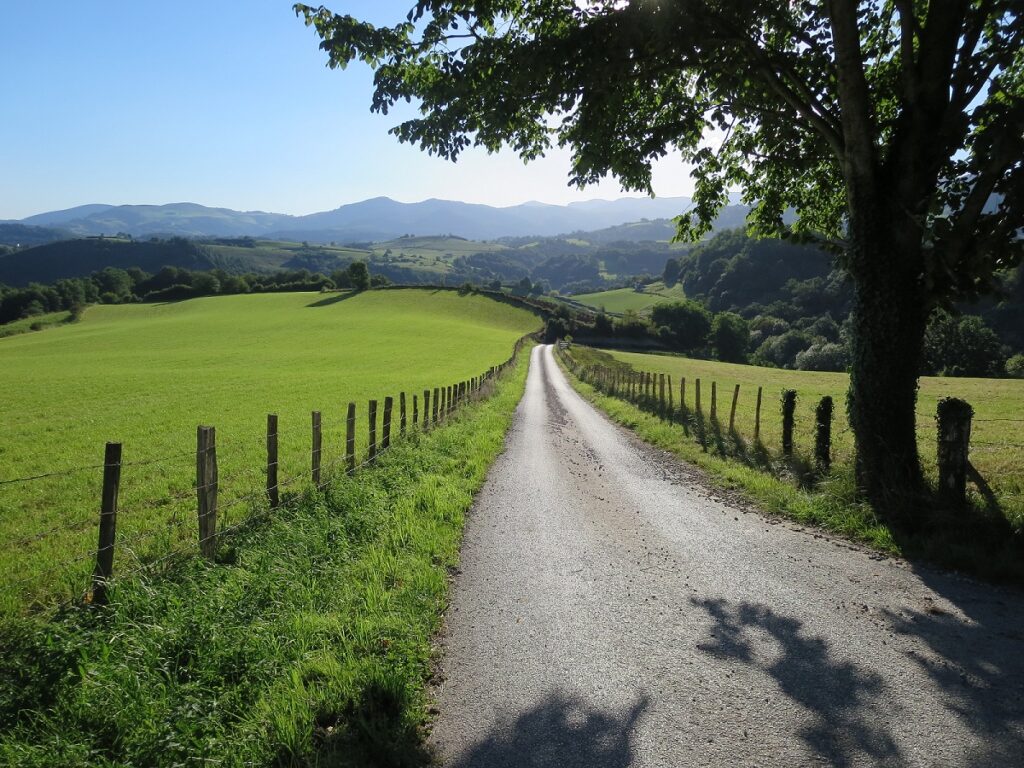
{"x": 126, "y": 103}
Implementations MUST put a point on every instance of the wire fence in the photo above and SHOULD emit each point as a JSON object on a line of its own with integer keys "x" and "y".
{"x": 708, "y": 413}
{"x": 149, "y": 533}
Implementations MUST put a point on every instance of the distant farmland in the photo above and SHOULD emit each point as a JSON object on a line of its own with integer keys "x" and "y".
{"x": 147, "y": 375}
{"x": 621, "y": 300}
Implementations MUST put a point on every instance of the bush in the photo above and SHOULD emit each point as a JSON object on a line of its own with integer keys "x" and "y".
{"x": 781, "y": 351}
{"x": 962, "y": 346}
{"x": 823, "y": 356}
{"x": 686, "y": 324}
{"x": 1015, "y": 367}
{"x": 730, "y": 337}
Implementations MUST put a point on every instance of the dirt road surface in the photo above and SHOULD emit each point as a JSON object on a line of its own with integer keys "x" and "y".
{"x": 612, "y": 611}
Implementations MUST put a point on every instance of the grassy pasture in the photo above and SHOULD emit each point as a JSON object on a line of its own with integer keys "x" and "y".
{"x": 24, "y": 325}
{"x": 620, "y": 300}
{"x": 997, "y": 435}
{"x": 147, "y": 375}
{"x": 312, "y": 646}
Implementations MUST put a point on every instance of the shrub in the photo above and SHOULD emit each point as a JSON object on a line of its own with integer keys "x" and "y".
{"x": 781, "y": 351}
{"x": 962, "y": 346}
{"x": 823, "y": 356}
{"x": 1015, "y": 367}
{"x": 687, "y": 324}
{"x": 730, "y": 337}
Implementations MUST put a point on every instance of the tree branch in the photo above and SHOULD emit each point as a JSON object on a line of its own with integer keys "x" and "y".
{"x": 854, "y": 98}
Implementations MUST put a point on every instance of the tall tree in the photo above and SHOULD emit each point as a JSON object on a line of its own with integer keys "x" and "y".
{"x": 892, "y": 127}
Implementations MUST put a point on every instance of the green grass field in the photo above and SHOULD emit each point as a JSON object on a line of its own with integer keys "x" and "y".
{"x": 312, "y": 644}
{"x": 997, "y": 435}
{"x": 620, "y": 300}
{"x": 25, "y": 325}
{"x": 147, "y": 375}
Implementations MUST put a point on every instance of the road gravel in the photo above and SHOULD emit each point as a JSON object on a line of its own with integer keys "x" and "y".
{"x": 613, "y": 609}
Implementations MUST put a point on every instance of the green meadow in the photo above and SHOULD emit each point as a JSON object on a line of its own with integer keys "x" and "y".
{"x": 147, "y": 375}
{"x": 997, "y": 434}
{"x": 621, "y": 300}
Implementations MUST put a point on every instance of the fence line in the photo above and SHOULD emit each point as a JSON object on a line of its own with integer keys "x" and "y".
{"x": 646, "y": 390}
{"x": 321, "y": 471}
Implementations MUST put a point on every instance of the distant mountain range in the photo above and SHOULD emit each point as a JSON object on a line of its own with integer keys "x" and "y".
{"x": 377, "y": 219}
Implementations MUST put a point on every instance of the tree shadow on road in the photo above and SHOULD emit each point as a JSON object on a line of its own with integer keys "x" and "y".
{"x": 843, "y": 722}
{"x": 974, "y": 658}
{"x": 559, "y": 732}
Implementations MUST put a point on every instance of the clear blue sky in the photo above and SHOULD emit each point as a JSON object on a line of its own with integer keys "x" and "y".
{"x": 225, "y": 104}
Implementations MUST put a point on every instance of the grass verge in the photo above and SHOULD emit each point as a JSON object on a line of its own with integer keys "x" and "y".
{"x": 975, "y": 541}
{"x": 308, "y": 643}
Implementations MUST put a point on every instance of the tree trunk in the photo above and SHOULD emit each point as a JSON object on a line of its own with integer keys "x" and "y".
{"x": 890, "y": 313}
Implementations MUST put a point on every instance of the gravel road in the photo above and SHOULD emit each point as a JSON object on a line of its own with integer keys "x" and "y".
{"x": 611, "y": 610}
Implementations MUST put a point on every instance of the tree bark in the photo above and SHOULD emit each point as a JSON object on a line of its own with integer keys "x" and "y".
{"x": 890, "y": 314}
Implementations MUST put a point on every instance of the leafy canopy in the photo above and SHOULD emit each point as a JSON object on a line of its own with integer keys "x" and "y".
{"x": 932, "y": 97}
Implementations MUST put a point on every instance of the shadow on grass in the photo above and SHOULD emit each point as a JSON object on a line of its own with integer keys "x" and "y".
{"x": 333, "y": 298}
{"x": 559, "y": 732}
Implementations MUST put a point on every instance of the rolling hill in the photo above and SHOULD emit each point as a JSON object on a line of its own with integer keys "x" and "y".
{"x": 380, "y": 218}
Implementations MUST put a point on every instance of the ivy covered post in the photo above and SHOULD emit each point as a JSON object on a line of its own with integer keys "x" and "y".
{"x": 953, "y": 417}
{"x": 823, "y": 435}
{"x": 788, "y": 410}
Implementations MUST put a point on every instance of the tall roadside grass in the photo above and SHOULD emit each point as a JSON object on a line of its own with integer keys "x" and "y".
{"x": 307, "y": 643}
{"x": 975, "y": 540}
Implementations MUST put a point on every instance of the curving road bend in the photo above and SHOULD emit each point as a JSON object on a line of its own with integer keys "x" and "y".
{"x": 611, "y": 611}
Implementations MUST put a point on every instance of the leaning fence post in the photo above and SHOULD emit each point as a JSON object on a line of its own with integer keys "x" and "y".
{"x": 385, "y": 442}
{"x": 757, "y": 417}
{"x": 108, "y": 523}
{"x": 372, "y": 450}
{"x": 206, "y": 489}
{"x": 317, "y": 444}
{"x": 823, "y": 435}
{"x": 350, "y": 438}
{"x": 732, "y": 411}
{"x": 953, "y": 417}
{"x": 401, "y": 409}
{"x": 273, "y": 494}
{"x": 788, "y": 409}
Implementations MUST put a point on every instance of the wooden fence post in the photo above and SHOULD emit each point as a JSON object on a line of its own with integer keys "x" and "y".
{"x": 953, "y": 417}
{"x": 757, "y": 417}
{"x": 823, "y": 435}
{"x": 350, "y": 438}
{"x": 732, "y": 411}
{"x": 426, "y": 409}
{"x": 389, "y": 404}
{"x": 317, "y": 444}
{"x": 372, "y": 451}
{"x": 661, "y": 392}
{"x": 671, "y": 405}
{"x": 401, "y": 408}
{"x": 435, "y": 407}
{"x": 108, "y": 523}
{"x": 206, "y": 489}
{"x": 682, "y": 395}
{"x": 714, "y": 400}
{"x": 273, "y": 492}
{"x": 696, "y": 396}
{"x": 788, "y": 409}
{"x": 415, "y": 410}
